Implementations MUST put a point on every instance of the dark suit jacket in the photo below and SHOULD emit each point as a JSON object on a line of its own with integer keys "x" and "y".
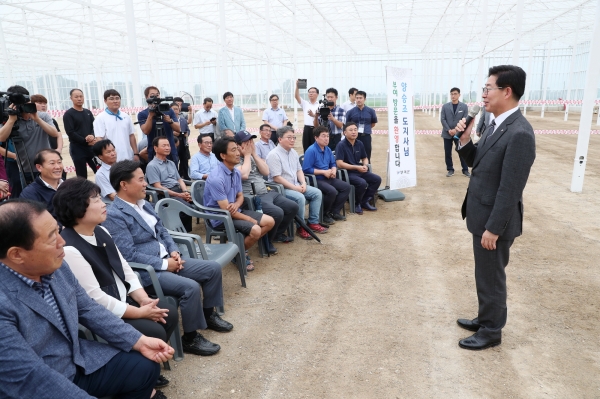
{"x": 450, "y": 119}
{"x": 135, "y": 239}
{"x": 501, "y": 166}
{"x": 37, "y": 359}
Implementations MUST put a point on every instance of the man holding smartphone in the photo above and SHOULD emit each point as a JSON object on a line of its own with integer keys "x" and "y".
{"x": 206, "y": 119}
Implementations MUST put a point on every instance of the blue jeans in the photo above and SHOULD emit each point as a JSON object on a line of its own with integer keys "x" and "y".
{"x": 313, "y": 196}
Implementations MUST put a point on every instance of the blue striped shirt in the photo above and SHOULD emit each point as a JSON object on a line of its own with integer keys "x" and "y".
{"x": 44, "y": 290}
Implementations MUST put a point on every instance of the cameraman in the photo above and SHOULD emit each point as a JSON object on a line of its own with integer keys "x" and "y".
{"x": 147, "y": 120}
{"x": 335, "y": 119}
{"x": 34, "y": 129}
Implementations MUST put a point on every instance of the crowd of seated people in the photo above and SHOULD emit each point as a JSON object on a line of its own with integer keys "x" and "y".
{"x": 73, "y": 238}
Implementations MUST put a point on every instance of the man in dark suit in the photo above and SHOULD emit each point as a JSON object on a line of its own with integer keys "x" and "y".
{"x": 450, "y": 114}
{"x": 41, "y": 304}
{"x": 493, "y": 206}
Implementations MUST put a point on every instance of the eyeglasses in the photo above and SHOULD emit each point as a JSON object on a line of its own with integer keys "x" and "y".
{"x": 114, "y": 98}
{"x": 266, "y": 130}
{"x": 207, "y": 142}
{"x": 292, "y": 138}
{"x": 485, "y": 90}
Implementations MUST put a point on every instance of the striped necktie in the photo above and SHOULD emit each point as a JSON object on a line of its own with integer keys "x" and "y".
{"x": 489, "y": 131}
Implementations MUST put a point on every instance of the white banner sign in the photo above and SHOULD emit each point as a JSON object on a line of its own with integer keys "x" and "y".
{"x": 402, "y": 170}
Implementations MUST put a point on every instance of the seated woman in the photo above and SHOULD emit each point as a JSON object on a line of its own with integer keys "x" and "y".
{"x": 101, "y": 269}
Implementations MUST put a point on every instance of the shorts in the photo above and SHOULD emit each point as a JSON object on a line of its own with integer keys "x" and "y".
{"x": 243, "y": 226}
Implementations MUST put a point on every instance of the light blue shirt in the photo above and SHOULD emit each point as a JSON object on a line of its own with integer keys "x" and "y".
{"x": 275, "y": 117}
{"x": 263, "y": 149}
{"x": 202, "y": 165}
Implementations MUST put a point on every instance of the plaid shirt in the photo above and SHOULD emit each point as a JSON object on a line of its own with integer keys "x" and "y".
{"x": 339, "y": 114}
{"x": 45, "y": 292}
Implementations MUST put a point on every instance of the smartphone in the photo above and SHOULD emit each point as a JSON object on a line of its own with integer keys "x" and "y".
{"x": 213, "y": 119}
{"x": 302, "y": 84}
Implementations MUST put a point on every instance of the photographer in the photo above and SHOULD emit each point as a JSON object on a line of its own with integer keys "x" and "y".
{"x": 182, "y": 150}
{"x": 335, "y": 119}
{"x": 148, "y": 120}
{"x": 34, "y": 129}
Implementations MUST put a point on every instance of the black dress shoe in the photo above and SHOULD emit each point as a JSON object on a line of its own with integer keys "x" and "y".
{"x": 471, "y": 325}
{"x": 368, "y": 207}
{"x": 216, "y": 323}
{"x": 200, "y": 346}
{"x": 338, "y": 216}
{"x": 161, "y": 382}
{"x": 159, "y": 395}
{"x": 476, "y": 343}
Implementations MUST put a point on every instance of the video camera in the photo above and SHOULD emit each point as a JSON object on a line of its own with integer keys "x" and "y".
{"x": 323, "y": 109}
{"x": 161, "y": 105}
{"x": 21, "y": 105}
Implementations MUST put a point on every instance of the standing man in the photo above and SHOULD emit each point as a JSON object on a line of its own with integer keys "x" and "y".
{"x": 204, "y": 160}
{"x": 41, "y": 103}
{"x": 335, "y": 120}
{"x": 275, "y": 117}
{"x": 351, "y": 103}
{"x": 116, "y": 126}
{"x": 148, "y": 118}
{"x": 79, "y": 126}
{"x": 231, "y": 117}
{"x": 319, "y": 161}
{"x": 493, "y": 206}
{"x": 365, "y": 118}
{"x": 264, "y": 145}
{"x": 309, "y": 108}
{"x": 183, "y": 150}
{"x": 450, "y": 114}
{"x": 206, "y": 119}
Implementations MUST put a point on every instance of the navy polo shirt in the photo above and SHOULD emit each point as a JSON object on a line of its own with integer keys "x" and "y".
{"x": 352, "y": 154}
{"x": 167, "y": 132}
{"x": 366, "y": 116}
{"x": 317, "y": 158}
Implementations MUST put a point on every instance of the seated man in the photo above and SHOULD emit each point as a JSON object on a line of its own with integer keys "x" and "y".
{"x": 224, "y": 190}
{"x": 105, "y": 151}
{"x": 319, "y": 161}
{"x": 265, "y": 144}
{"x": 162, "y": 173}
{"x": 204, "y": 161}
{"x": 227, "y": 133}
{"x": 41, "y": 354}
{"x": 281, "y": 209}
{"x": 285, "y": 169}
{"x": 141, "y": 237}
{"x": 350, "y": 154}
{"x": 49, "y": 164}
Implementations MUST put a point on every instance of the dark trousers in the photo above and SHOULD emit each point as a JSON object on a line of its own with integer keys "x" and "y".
{"x": 308, "y": 138}
{"x": 279, "y": 208}
{"x": 81, "y": 168}
{"x": 334, "y": 139}
{"x": 274, "y": 138}
{"x": 156, "y": 329}
{"x": 185, "y": 219}
{"x": 490, "y": 280}
{"x": 366, "y": 140}
{"x": 128, "y": 375}
{"x": 14, "y": 179}
{"x": 365, "y": 185}
{"x": 448, "y": 144}
{"x": 184, "y": 158}
{"x": 335, "y": 194}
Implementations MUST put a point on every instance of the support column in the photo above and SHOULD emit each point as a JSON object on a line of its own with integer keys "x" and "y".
{"x": 6, "y": 60}
{"x": 546, "y": 72}
{"x": 295, "y": 74}
{"x": 518, "y": 28}
{"x": 223, "y": 34}
{"x": 572, "y": 66}
{"x": 528, "y": 72}
{"x": 100, "y": 96}
{"x": 268, "y": 47}
{"x": 134, "y": 64}
{"x": 587, "y": 108}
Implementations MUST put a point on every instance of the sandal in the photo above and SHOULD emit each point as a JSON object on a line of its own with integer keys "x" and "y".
{"x": 249, "y": 263}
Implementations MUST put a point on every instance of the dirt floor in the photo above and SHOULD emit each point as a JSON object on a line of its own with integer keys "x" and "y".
{"x": 372, "y": 312}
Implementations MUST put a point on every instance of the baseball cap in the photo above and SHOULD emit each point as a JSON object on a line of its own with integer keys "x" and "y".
{"x": 243, "y": 136}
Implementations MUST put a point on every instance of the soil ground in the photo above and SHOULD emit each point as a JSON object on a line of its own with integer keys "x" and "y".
{"x": 372, "y": 312}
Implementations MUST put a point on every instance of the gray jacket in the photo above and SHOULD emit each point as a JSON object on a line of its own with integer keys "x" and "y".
{"x": 450, "y": 119}
{"x": 501, "y": 165}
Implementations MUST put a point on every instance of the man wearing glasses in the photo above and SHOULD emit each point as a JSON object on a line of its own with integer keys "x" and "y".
{"x": 116, "y": 126}
{"x": 285, "y": 169}
{"x": 204, "y": 161}
{"x": 493, "y": 206}
{"x": 264, "y": 145}
{"x": 275, "y": 117}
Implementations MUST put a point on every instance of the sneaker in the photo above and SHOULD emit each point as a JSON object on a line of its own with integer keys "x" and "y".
{"x": 199, "y": 346}
{"x": 303, "y": 234}
{"x": 328, "y": 220}
{"x": 466, "y": 173}
{"x": 358, "y": 209}
{"x": 283, "y": 238}
{"x": 338, "y": 216}
{"x": 450, "y": 173}
{"x": 317, "y": 228}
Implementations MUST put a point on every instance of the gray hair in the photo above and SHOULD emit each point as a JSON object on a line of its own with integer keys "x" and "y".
{"x": 283, "y": 130}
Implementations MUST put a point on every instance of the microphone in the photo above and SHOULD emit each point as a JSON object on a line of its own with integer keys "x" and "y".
{"x": 473, "y": 111}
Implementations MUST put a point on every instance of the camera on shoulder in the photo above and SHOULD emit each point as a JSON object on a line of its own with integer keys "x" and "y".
{"x": 19, "y": 101}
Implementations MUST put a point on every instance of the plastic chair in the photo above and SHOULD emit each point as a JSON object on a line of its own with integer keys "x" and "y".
{"x": 168, "y": 210}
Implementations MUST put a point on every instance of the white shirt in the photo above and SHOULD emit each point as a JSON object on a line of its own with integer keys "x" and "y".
{"x": 116, "y": 130}
{"x": 103, "y": 180}
{"x": 204, "y": 116}
{"x": 85, "y": 275}
{"x": 308, "y": 106}
{"x": 232, "y": 113}
{"x": 347, "y": 106}
{"x": 49, "y": 186}
{"x": 150, "y": 221}
{"x": 499, "y": 120}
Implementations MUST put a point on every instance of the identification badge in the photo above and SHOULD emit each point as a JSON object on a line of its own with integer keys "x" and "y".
{"x": 361, "y": 128}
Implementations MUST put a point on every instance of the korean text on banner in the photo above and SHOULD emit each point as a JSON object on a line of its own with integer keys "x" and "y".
{"x": 402, "y": 169}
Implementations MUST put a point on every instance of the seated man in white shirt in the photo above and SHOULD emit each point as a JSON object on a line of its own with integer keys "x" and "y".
{"x": 105, "y": 151}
